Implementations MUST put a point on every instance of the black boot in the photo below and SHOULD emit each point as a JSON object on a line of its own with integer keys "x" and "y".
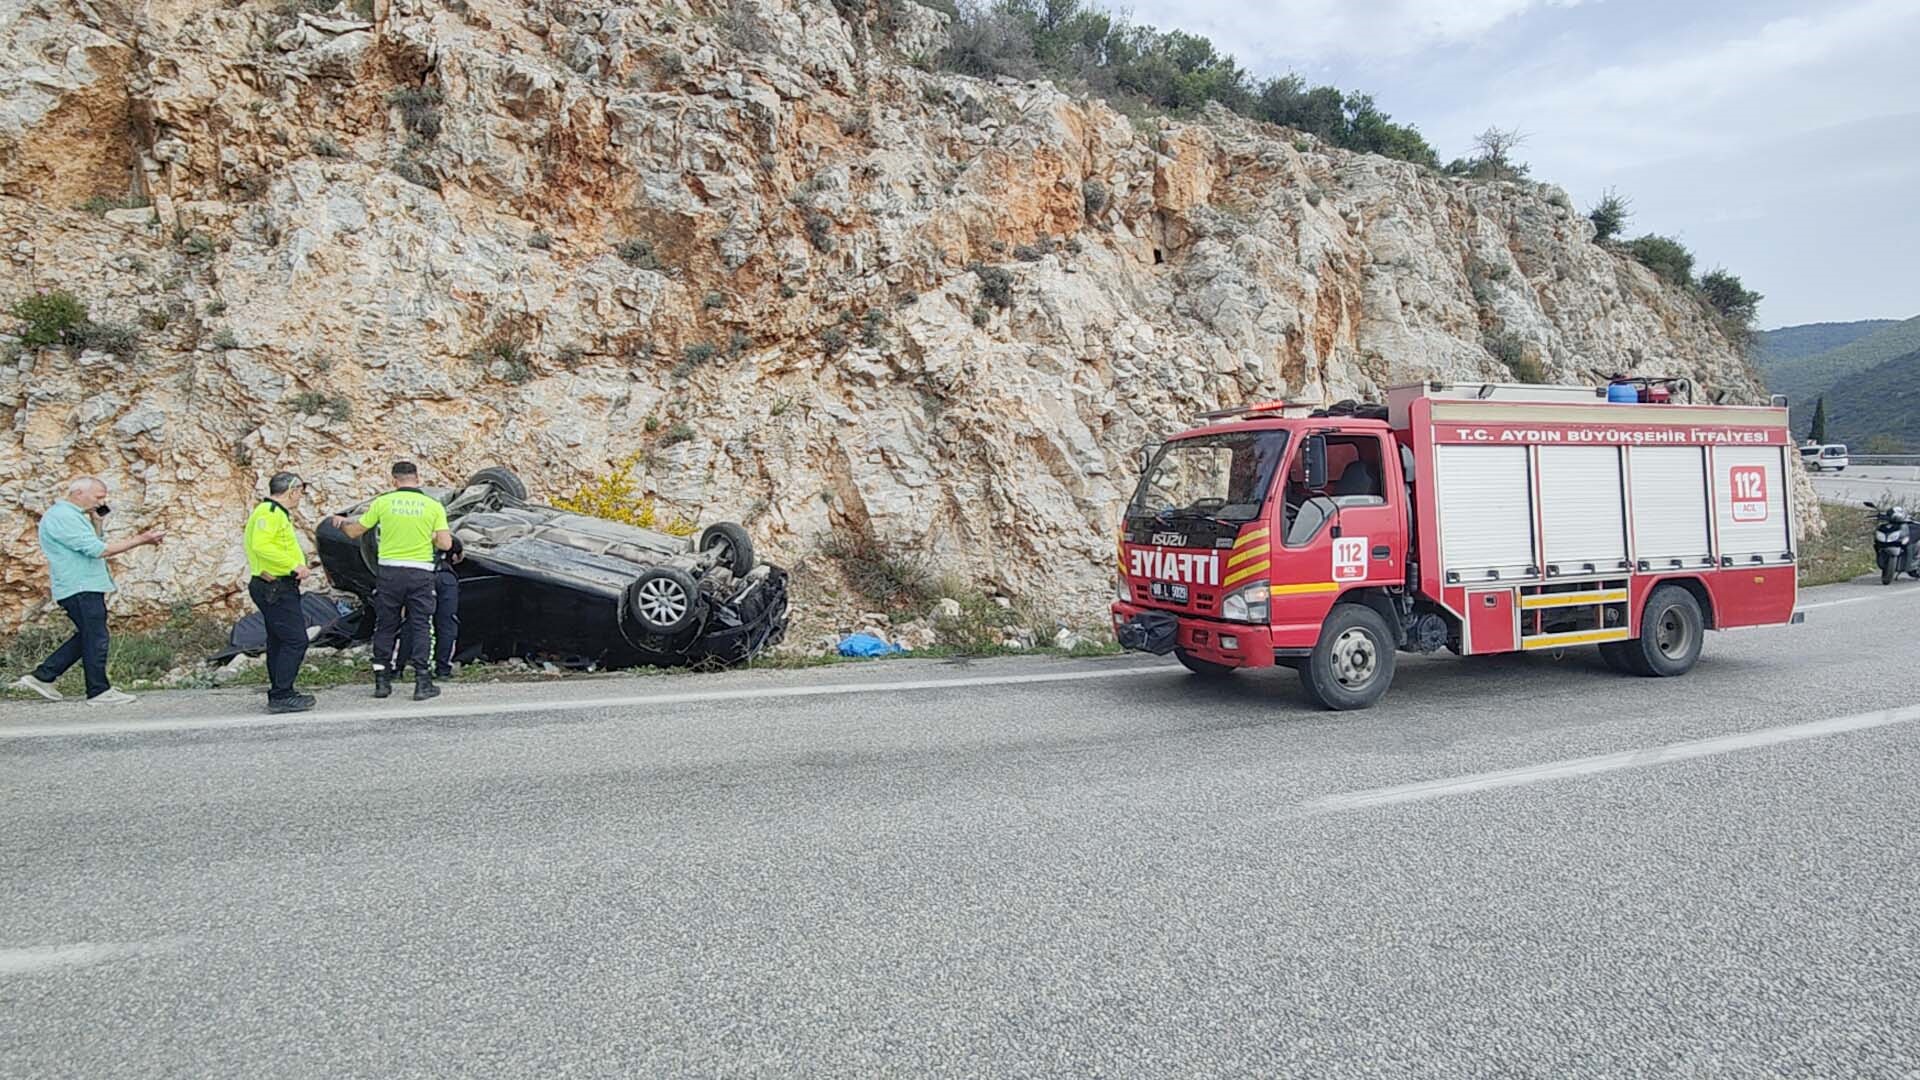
{"x": 382, "y": 682}
{"x": 423, "y": 687}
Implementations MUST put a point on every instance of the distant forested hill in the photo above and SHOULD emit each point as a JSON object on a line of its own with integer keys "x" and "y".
{"x": 1805, "y": 378}
{"x": 1877, "y": 407}
{"x": 1793, "y": 342}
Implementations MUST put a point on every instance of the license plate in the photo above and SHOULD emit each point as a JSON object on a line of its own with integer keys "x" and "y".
{"x": 1164, "y": 590}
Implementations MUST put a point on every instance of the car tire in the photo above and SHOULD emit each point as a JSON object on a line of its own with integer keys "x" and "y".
{"x": 1353, "y": 663}
{"x": 738, "y": 556}
{"x": 1672, "y": 630}
{"x": 503, "y": 481}
{"x": 663, "y": 600}
{"x": 1206, "y": 669}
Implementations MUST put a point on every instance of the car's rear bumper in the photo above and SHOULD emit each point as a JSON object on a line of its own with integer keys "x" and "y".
{"x": 1229, "y": 643}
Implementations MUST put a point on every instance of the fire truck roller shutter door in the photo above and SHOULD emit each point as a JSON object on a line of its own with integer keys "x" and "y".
{"x": 1750, "y": 500}
{"x": 1582, "y": 510}
{"x": 1670, "y": 506}
{"x": 1486, "y": 511}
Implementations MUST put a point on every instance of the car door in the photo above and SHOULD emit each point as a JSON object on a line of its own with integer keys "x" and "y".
{"x": 1349, "y": 533}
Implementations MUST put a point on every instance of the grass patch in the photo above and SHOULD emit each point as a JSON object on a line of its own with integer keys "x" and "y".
{"x": 885, "y": 577}
{"x": 134, "y": 657}
{"x": 1845, "y": 552}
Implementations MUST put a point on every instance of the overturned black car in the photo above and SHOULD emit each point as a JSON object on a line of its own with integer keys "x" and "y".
{"x": 541, "y": 583}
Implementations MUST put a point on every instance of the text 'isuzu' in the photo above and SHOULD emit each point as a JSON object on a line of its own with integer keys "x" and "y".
{"x": 1475, "y": 518}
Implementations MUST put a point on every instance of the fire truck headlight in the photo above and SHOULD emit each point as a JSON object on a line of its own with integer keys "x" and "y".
{"x": 1123, "y": 592}
{"x": 1247, "y": 603}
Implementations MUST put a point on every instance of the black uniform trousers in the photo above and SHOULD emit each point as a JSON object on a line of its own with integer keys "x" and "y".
{"x": 279, "y": 604}
{"x": 397, "y": 589}
{"x": 446, "y": 618}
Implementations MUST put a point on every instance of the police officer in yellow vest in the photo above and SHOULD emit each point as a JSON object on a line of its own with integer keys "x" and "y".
{"x": 413, "y": 525}
{"x": 278, "y": 567}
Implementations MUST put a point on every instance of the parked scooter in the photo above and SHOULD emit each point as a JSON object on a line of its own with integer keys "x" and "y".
{"x": 1896, "y": 543}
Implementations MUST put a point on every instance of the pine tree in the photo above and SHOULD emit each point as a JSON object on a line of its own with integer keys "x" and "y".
{"x": 1817, "y": 432}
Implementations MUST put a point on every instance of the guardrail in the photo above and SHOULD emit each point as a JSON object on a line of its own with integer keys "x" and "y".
{"x": 1885, "y": 459}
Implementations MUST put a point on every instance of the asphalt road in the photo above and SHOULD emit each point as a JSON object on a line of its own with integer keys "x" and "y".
{"x": 1015, "y": 868}
{"x": 1867, "y": 483}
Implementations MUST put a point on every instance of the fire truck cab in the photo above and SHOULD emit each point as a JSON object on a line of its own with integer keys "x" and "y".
{"x": 1478, "y": 518}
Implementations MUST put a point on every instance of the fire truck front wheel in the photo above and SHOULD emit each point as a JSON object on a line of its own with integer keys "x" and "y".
{"x": 1206, "y": 669}
{"x": 1671, "y": 633}
{"x": 1353, "y": 663}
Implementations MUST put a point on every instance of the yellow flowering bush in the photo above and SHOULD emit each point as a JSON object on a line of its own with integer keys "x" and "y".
{"x": 616, "y": 497}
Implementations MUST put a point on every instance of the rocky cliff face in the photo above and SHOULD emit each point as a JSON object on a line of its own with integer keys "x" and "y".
{"x": 816, "y": 286}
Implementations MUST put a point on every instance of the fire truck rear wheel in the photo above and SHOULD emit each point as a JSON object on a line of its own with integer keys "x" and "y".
{"x": 1206, "y": 669}
{"x": 1353, "y": 663}
{"x": 1671, "y": 633}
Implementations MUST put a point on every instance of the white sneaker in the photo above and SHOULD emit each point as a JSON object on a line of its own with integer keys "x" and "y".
{"x": 44, "y": 689}
{"x": 110, "y": 696}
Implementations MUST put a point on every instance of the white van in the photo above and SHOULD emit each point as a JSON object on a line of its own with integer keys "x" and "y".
{"x": 1818, "y": 457}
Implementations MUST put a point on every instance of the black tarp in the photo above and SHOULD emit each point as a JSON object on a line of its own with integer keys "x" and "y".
{"x": 332, "y": 621}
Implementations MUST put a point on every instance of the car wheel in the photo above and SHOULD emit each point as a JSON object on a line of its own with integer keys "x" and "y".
{"x": 1671, "y": 633}
{"x": 503, "y": 481}
{"x": 663, "y": 600}
{"x": 1206, "y": 669}
{"x": 731, "y": 543}
{"x": 1353, "y": 663}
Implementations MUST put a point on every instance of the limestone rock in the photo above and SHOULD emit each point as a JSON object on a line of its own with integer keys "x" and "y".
{"x": 738, "y": 253}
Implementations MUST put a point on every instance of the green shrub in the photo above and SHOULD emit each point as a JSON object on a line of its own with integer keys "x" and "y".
{"x": 1665, "y": 256}
{"x": 216, "y": 308}
{"x": 833, "y": 340}
{"x": 326, "y": 146}
{"x": 819, "y": 231}
{"x": 680, "y": 432}
{"x": 100, "y": 204}
{"x": 1609, "y": 216}
{"x": 415, "y": 172}
{"x": 638, "y": 253}
{"x": 981, "y": 316}
{"x": 541, "y": 240}
{"x": 223, "y": 339}
{"x": 117, "y": 338}
{"x": 509, "y": 352}
{"x": 419, "y": 109}
{"x": 1511, "y": 349}
{"x": 197, "y": 244}
{"x": 49, "y": 317}
{"x": 996, "y": 284}
{"x": 888, "y": 578}
{"x": 1079, "y": 44}
{"x": 1726, "y": 294}
{"x": 1094, "y": 196}
{"x": 714, "y": 301}
{"x": 870, "y": 334}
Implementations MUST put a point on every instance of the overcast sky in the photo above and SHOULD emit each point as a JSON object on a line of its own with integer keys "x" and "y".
{"x": 1779, "y": 140}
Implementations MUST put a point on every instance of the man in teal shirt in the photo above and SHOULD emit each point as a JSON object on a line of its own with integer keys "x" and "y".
{"x": 77, "y": 564}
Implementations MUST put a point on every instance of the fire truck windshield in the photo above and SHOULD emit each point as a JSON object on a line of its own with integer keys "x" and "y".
{"x": 1223, "y": 477}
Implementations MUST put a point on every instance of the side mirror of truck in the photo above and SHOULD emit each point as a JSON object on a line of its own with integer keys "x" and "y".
{"x": 1313, "y": 459}
{"x": 1146, "y": 456}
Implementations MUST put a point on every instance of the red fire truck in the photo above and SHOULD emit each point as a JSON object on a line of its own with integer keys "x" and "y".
{"x": 1475, "y": 518}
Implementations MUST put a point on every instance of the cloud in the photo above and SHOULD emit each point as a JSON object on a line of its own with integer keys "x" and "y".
{"x": 1684, "y": 96}
{"x": 1283, "y": 32}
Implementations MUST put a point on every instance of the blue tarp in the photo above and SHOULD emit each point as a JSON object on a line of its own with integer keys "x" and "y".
{"x": 867, "y": 645}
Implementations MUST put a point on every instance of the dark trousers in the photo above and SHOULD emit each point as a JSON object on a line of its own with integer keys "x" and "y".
{"x": 446, "y": 618}
{"x": 87, "y": 646}
{"x": 397, "y": 589}
{"x": 279, "y": 604}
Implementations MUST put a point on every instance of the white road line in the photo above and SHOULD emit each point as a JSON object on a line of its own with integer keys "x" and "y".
{"x": 1893, "y": 595}
{"x": 447, "y": 710}
{"x": 1626, "y": 759}
{"x": 33, "y": 958}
